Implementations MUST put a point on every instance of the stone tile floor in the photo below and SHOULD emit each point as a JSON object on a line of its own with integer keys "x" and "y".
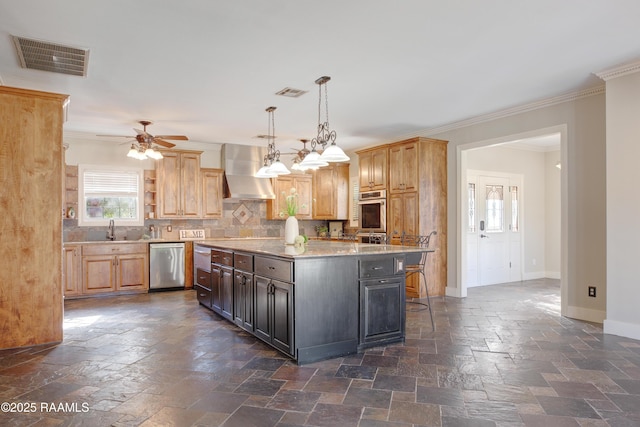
{"x": 503, "y": 356}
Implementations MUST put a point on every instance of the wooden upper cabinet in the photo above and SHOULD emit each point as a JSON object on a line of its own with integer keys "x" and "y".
{"x": 283, "y": 184}
{"x": 178, "y": 184}
{"x": 373, "y": 169}
{"x": 403, "y": 167}
{"x": 212, "y": 193}
{"x": 331, "y": 192}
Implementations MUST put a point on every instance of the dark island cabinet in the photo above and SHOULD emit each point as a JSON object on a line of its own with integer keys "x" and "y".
{"x": 382, "y": 301}
{"x": 222, "y": 283}
{"x": 309, "y": 307}
{"x": 273, "y": 303}
{"x": 243, "y": 291}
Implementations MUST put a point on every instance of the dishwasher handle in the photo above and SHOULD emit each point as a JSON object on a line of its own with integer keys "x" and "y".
{"x": 166, "y": 245}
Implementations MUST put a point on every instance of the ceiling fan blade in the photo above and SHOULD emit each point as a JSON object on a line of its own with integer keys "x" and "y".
{"x": 174, "y": 137}
{"x": 166, "y": 144}
{"x": 118, "y": 136}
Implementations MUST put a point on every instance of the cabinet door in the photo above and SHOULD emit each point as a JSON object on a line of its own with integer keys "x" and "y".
{"x": 282, "y": 300}
{"x": 402, "y": 216}
{"x": 410, "y": 167}
{"x": 169, "y": 185}
{"x": 226, "y": 293}
{"x": 212, "y": 193}
{"x": 365, "y": 164}
{"x": 381, "y": 309}
{"x": 190, "y": 185}
{"x": 132, "y": 272}
{"x": 216, "y": 284}
{"x": 303, "y": 185}
{"x": 281, "y": 184}
{"x": 243, "y": 300}
{"x": 72, "y": 269}
{"x": 323, "y": 194}
{"x": 98, "y": 274}
{"x": 403, "y": 167}
{"x": 379, "y": 169}
{"x": 262, "y": 309}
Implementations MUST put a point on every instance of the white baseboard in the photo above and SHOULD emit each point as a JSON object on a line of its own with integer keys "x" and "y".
{"x": 623, "y": 329}
{"x": 552, "y": 275}
{"x": 586, "y": 314}
{"x": 533, "y": 275}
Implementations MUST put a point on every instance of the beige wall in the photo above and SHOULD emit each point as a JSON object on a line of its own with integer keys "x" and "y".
{"x": 623, "y": 205}
{"x": 582, "y": 124}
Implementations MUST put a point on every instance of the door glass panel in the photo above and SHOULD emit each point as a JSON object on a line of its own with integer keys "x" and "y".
{"x": 515, "y": 218}
{"x": 495, "y": 208}
{"x": 471, "y": 201}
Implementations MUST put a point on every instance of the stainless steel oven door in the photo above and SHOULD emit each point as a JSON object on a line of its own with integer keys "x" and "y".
{"x": 373, "y": 215}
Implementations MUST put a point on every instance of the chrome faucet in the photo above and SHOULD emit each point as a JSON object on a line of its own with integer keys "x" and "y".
{"x": 111, "y": 232}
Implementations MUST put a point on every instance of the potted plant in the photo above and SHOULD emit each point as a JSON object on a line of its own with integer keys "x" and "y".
{"x": 322, "y": 230}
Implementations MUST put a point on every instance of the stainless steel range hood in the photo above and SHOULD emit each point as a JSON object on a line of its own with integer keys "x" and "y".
{"x": 240, "y": 163}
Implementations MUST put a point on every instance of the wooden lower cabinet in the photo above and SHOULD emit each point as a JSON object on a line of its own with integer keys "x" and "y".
{"x": 72, "y": 270}
{"x": 273, "y": 306}
{"x": 95, "y": 269}
{"x": 243, "y": 291}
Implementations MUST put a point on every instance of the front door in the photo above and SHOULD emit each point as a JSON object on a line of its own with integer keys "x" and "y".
{"x": 493, "y": 238}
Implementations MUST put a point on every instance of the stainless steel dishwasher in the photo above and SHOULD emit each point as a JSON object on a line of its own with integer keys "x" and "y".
{"x": 166, "y": 266}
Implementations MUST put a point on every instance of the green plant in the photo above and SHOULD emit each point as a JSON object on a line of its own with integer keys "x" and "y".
{"x": 291, "y": 203}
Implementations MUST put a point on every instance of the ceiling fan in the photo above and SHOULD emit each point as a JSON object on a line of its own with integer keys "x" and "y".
{"x": 144, "y": 147}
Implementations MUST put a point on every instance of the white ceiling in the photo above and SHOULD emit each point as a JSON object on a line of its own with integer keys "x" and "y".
{"x": 208, "y": 69}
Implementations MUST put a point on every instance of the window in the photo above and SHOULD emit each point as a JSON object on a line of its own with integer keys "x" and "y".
{"x": 515, "y": 217}
{"x": 495, "y": 208}
{"x": 108, "y": 193}
{"x": 471, "y": 200}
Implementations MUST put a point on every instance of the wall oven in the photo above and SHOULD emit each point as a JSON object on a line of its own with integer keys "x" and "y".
{"x": 372, "y": 210}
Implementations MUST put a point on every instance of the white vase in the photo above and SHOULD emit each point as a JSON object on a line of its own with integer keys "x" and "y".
{"x": 291, "y": 230}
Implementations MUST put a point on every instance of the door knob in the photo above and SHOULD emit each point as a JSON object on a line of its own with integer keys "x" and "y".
{"x": 484, "y": 236}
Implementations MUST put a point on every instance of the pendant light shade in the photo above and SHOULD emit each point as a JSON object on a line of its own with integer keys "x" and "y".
{"x": 325, "y": 135}
{"x": 333, "y": 153}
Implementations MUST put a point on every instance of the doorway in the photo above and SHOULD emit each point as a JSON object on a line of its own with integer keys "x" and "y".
{"x": 468, "y": 273}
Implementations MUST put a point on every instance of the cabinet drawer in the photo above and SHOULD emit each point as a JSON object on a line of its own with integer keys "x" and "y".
{"x": 114, "y": 248}
{"x": 377, "y": 267}
{"x": 243, "y": 262}
{"x": 202, "y": 258}
{"x": 274, "y": 268}
{"x": 203, "y": 278}
{"x": 204, "y": 295}
{"x": 222, "y": 257}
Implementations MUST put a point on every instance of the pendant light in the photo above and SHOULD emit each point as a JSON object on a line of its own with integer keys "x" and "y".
{"x": 325, "y": 136}
{"x": 272, "y": 166}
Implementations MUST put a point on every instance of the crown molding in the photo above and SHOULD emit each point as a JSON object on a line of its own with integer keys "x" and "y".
{"x": 520, "y": 109}
{"x": 619, "y": 71}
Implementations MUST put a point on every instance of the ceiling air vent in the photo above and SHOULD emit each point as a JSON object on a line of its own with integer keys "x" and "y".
{"x": 291, "y": 92}
{"x": 53, "y": 57}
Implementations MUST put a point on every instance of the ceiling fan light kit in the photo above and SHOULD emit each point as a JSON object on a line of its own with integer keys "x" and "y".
{"x": 144, "y": 149}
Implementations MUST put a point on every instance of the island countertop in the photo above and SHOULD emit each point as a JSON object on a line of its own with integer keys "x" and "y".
{"x": 312, "y": 249}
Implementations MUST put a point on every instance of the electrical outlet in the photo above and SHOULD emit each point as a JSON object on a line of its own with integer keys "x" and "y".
{"x": 592, "y": 291}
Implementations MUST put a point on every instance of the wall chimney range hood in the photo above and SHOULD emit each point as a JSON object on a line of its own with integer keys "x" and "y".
{"x": 240, "y": 163}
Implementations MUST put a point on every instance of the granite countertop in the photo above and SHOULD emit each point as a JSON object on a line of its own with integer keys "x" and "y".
{"x": 313, "y": 248}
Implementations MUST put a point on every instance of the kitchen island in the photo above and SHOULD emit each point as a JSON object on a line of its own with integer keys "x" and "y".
{"x": 321, "y": 300}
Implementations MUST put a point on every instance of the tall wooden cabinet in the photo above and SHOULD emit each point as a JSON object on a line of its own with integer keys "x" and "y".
{"x": 31, "y": 178}
{"x": 178, "y": 184}
{"x": 283, "y": 184}
{"x": 331, "y": 192}
{"x": 418, "y": 204}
